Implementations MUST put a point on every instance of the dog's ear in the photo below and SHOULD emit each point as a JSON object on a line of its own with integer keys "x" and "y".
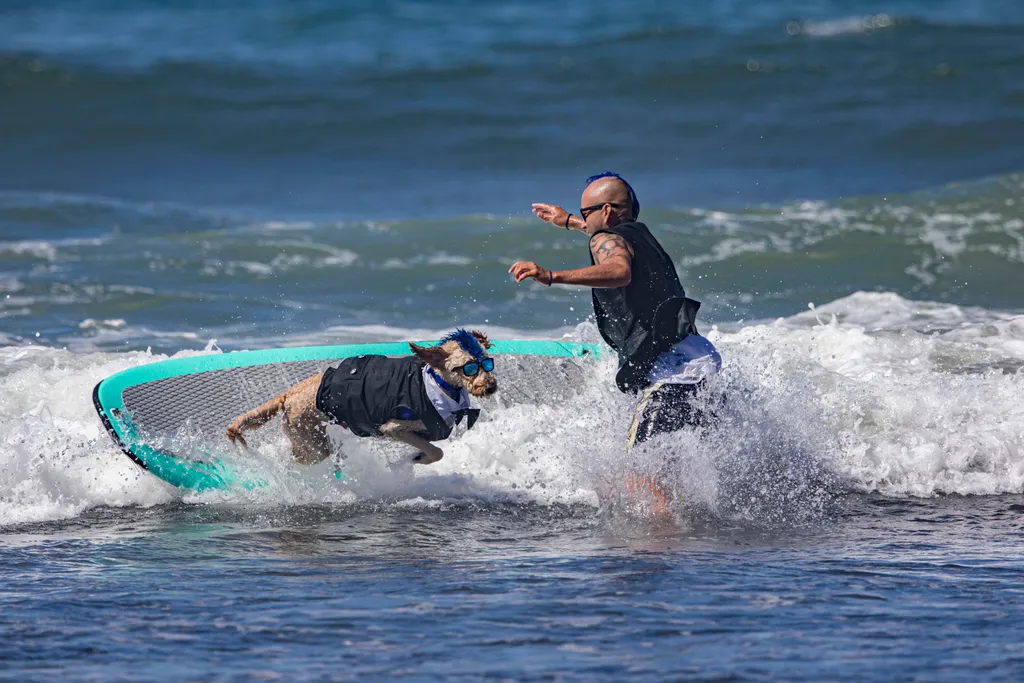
{"x": 431, "y": 355}
{"x": 482, "y": 338}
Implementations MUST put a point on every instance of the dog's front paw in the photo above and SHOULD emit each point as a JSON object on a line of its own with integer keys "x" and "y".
{"x": 422, "y": 458}
{"x": 234, "y": 435}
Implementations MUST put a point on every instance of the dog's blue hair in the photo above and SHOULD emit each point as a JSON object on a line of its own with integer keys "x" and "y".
{"x": 467, "y": 341}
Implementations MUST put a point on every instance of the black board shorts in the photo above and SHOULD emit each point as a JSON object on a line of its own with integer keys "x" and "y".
{"x": 665, "y": 408}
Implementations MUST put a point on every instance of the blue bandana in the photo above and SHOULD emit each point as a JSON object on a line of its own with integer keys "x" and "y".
{"x": 629, "y": 188}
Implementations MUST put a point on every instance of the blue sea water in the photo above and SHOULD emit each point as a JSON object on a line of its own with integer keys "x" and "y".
{"x": 183, "y": 177}
{"x": 888, "y": 590}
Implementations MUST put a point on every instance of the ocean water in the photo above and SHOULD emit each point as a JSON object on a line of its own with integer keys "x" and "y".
{"x": 839, "y": 183}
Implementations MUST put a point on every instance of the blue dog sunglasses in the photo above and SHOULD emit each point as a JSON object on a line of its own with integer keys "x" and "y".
{"x": 472, "y": 369}
{"x": 632, "y": 194}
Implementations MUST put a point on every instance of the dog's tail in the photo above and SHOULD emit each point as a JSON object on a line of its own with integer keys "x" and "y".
{"x": 257, "y": 417}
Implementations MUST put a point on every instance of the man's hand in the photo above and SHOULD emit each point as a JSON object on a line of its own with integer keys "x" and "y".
{"x": 523, "y": 269}
{"x": 555, "y": 215}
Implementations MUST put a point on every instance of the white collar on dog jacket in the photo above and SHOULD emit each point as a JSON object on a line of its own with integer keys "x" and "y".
{"x": 444, "y": 404}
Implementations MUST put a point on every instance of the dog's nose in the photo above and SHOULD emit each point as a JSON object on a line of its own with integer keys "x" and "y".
{"x": 491, "y": 388}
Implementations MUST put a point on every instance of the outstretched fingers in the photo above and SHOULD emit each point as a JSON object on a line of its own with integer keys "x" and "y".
{"x": 521, "y": 270}
{"x": 550, "y": 213}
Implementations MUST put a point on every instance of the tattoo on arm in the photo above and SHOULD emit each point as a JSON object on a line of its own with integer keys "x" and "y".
{"x": 609, "y": 247}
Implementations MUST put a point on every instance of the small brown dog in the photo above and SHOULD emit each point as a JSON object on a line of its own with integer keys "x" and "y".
{"x": 414, "y": 399}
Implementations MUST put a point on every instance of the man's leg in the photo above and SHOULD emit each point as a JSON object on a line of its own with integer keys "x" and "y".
{"x": 663, "y": 408}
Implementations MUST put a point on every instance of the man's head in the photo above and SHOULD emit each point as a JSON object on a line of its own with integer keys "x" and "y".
{"x": 607, "y": 201}
{"x": 461, "y": 359}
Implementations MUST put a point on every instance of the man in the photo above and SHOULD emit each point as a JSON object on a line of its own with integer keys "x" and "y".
{"x": 641, "y": 309}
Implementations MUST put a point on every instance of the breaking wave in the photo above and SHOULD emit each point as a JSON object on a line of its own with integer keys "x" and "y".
{"x": 869, "y": 393}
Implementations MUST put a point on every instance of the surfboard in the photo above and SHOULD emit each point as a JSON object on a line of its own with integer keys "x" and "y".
{"x": 169, "y": 417}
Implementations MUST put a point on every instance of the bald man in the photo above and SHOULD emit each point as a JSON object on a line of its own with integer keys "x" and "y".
{"x": 641, "y": 309}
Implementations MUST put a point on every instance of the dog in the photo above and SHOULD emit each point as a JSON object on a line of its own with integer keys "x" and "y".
{"x": 413, "y": 399}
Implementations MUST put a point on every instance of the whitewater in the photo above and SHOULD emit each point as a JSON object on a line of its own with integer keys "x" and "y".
{"x": 872, "y": 393}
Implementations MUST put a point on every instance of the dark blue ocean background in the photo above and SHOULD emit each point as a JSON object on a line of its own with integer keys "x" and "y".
{"x": 186, "y": 176}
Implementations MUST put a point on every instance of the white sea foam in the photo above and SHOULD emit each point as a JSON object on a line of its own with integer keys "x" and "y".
{"x": 47, "y": 250}
{"x": 440, "y": 258}
{"x": 870, "y": 393}
{"x": 108, "y": 324}
{"x": 726, "y": 249}
{"x": 39, "y": 249}
{"x": 837, "y": 27}
{"x": 309, "y": 253}
{"x": 56, "y": 460}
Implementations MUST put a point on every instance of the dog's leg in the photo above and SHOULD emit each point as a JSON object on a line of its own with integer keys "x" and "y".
{"x": 406, "y": 432}
{"x": 260, "y": 415}
{"x": 257, "y": 417}
{"x": 304, "y": 425}
{"x": 308, "y": 436}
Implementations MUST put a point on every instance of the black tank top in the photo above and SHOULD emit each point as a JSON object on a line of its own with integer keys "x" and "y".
{"x": 647, "y": 316}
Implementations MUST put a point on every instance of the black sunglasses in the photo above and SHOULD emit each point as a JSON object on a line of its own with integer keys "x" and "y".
{"x": 472, "y": 369}
{"x": 587, "y": 210}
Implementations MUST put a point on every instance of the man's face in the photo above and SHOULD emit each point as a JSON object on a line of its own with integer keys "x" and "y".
{"x": 602, "y": 203}
{"x": 594, "y": 212}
